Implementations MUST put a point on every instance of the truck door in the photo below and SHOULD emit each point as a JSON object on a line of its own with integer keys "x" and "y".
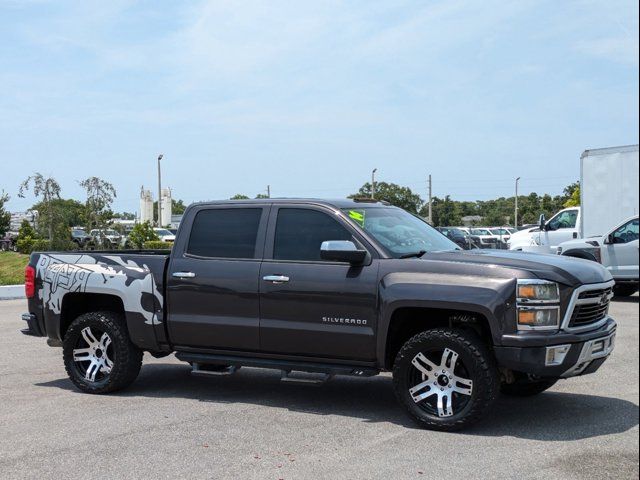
{"x": 212, "y": 284}
{"x": 560, "y": 228}
{"x": 620, "y": 253}
{"x": 308, "y": 306}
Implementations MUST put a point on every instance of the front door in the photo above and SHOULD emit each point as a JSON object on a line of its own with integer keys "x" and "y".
{"x": 621, "y": 253}
{"x": 561, "y": 228}
{"x": 212, "y": 285}
{"x": 310, "y": 307}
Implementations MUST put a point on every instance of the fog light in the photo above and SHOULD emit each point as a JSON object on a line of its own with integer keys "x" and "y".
{"x": 556, "y": 355}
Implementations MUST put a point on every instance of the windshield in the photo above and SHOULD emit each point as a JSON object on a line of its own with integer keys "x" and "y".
{"x": 398, "y": 231}
{"x": 78, "y": 233}
{"x": 480, "y": 231}
{"x": 162, "y": 232}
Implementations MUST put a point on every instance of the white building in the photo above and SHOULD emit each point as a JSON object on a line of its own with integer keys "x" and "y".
{"x": 17, "y": 217}
{"x": 146, "y": 206}
{"x": 166, "y": 207}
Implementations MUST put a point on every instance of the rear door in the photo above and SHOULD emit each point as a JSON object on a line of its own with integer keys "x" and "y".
{"x": 212, "y": 282}
{"x": 310, "y": 307}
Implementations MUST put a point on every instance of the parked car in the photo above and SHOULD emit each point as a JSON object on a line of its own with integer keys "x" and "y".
{"x": 617, "y": 250}
{"x": 503, "y": 233}
{"x": 107, "y": 238}
{"x": 80, "y": 237}
{"x": 485, "y": 238}
{"x": 8, "y": 242}
{"x": 334, "y": 288}
{"x": 165, "y": 235}
{"x": 459, "y": 237}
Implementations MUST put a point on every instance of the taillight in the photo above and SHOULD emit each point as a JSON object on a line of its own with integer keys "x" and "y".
{"x": 29, "y": 281}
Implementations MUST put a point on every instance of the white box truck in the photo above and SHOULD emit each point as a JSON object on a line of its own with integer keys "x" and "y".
{"x": 609, "y": 196}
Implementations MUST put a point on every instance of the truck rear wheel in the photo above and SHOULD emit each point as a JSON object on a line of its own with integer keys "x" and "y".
{"x": 525, "y": 386}
{"x": 445, "y": 379}
{"x": 98, "y": 354}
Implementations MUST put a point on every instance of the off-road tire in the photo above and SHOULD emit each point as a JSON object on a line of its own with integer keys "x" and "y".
{"x": 525, "y": 386}
{"x": 623, "y": 290}
{"x": 477, "y": 360}
{"x": 127, "y": 358}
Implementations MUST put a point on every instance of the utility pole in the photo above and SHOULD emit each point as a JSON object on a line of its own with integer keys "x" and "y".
{"x": 515, "y": 221}
{"x": 430, "y": 201}
{"x": 268, "y": 191}
{"x": 159, "y": 193}
{"x": 373, "y": 183}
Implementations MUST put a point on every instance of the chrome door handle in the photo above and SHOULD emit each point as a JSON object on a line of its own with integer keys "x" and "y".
{"x": 276, "y": 278}
{"x": 183, "y": 275}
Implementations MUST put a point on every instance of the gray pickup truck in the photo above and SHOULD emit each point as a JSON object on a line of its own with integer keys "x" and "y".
{"x": 320, "y": 288}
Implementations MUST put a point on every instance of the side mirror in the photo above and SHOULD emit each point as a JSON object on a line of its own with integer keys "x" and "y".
{"x": 542, "y": 222}
{"x": 342, "y": 251}
{"x": 609, "y": 240}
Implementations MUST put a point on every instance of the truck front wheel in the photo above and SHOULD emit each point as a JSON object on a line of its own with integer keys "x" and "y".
{"x": 445, "y": 379}
{"x": 98, "y": 354}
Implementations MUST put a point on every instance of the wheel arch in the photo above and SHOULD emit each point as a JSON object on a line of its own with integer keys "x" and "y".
{"x": 407, "y": 321}
{"x": 580, "y": 253}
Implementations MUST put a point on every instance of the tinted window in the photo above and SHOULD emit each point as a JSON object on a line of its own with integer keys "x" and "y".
{"x": 225, "y": 233}
{"x": 300, "y": 232}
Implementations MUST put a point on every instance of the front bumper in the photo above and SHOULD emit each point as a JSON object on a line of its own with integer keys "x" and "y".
{"x": 586, "y": 352}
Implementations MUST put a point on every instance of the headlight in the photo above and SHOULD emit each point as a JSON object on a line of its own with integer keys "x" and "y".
{"x": 538, "y": 305}
{"x": 538, "y": 291}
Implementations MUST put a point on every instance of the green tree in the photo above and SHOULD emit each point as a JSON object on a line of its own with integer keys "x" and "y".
{"x": 48, "y": 189}
{"x": 262, "y": 195}
{"x": 27, "y": 237}
{"x": 68, "y": 212}
{"x": 5, "y": 216}
{"x": 395, "y": 194}
{"x": 141, "y": 233}
{"x": 573, "y": 194}
{"x": 100, "y": 196}
{"x": 239, "y": 196}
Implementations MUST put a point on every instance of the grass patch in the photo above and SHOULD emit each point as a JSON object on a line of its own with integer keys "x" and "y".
{"x": 12, "y": 268}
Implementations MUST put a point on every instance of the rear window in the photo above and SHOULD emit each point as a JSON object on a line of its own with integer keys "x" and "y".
{"x": 225, "y": 233}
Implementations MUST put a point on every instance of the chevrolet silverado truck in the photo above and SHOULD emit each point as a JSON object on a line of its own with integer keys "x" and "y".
{"x": 322, "y": 288}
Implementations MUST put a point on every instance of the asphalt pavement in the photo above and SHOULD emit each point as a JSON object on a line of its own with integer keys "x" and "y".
{"x": 169, "y": 424}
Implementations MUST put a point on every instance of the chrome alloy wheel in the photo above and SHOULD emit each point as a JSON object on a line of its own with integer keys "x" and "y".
{"x": 443, "y": 390}
{"x": 96, "y": 353}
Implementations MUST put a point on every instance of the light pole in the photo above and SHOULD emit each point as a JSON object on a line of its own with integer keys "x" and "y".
{"x": 373, "y": 183}
{"x": 159, "y": 224}
{"x": 515, "y": 221}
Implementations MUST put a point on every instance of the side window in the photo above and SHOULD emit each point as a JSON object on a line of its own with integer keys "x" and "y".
{"x": 627, "y": 233}
{"x": 300, "y": 232}
{"x": 566, "y": 219}
{"x": 225, "y": 233}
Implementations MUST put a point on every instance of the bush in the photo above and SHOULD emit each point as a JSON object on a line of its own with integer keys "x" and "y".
{"x": 28, "y": 244}
{"x": 142, "y": 233}
{"x": 157, "y": 245}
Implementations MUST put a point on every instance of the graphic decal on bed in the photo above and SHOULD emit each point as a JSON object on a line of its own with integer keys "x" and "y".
{"x": 109, "y": 274}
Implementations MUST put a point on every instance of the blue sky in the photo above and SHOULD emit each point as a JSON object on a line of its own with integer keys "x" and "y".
{"x": 310, "y": 96}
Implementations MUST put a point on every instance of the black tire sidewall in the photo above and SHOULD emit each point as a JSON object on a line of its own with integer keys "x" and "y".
{"x": 475, "y": 359}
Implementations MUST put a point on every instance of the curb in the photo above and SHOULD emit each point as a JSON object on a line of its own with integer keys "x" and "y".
{"x": 11, "y": 292}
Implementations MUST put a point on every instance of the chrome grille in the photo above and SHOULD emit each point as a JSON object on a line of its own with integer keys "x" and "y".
{"x": 591, "y": 306}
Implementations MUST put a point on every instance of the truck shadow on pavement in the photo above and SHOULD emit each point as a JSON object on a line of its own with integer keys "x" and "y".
{"x": 551, "y": 416}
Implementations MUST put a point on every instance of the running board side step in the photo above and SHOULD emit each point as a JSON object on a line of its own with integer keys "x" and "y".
{"x": 319, "y": 379}
{"x": 286, "y": 366}
{"x": 199, "y": 369}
